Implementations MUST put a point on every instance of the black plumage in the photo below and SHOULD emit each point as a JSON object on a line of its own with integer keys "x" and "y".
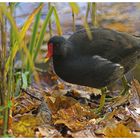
{"x": 97, "y": 62}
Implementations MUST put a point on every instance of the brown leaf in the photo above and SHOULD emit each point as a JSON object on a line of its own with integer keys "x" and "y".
{"x": 86, "y": 133}
{"x": 120, "y": 100}
{"x": 136, "y": 90}
{"x": 71, "y": 113}
{"x": 23, "y": 104}
{"x": 48, "y": 131}
{"x": 61, "y": 86}
{"x": 25, "y": 126}
{"x": 119, "y": 131}
{"x": 133, "y": 124}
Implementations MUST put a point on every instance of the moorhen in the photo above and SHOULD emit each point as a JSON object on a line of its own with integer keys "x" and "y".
{"x": 96, "y": 62}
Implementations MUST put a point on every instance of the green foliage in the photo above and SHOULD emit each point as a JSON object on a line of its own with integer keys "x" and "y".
{"x": 18, "y": 82}
{"x": 91, "y": 8}
{"x": 2, "y": 108}
{"x": 33, "y": 41}
{"x": 42, "y": 32}
{"x": 93, "y": 14}
{"x": 24, "y": 80}
{"x": 88, "y": 9}
{"x": 85, "y": 23}
{"x": 17, "y": 38}
{"x": 20, "y": 36}
{"x": 74, "y": 7}
{"x": 57, "y": 21}
{"x": 13, "y": 81}
{"x": 75, "y": 10}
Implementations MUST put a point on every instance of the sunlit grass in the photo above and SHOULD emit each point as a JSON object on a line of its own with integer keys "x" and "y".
{"x": 12, "y": 80}
{"x": 75, "y": 10}
{"x": 42, "y": 33}
{"x": 17, "y": 37}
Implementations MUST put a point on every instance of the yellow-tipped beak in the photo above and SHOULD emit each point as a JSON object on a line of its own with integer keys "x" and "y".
{"x": 46, "y": 60}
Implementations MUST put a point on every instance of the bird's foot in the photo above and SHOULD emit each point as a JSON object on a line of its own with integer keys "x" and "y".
{"x": 125, "y": 90}
{"x": 125, "y": 85}
{"x": 97, "y": 111}
{"x": 102, "y": 101}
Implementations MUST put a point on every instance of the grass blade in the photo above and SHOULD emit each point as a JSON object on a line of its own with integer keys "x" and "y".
{"x": 29, "y": 21}
{"x": 43, "y": 30}
{"x": 57, "y": 22}
{"x": 34, "y": 35}
{"x": 21, "y": 36}
{"x": 50, "y": 26}
{"x": 88, "y": 9}
{"x": 93, "y": 14}
{"x": 87, "y": 28}
{"x": 74, "y": 7}
{"x": 75, "y": 10}
{"x": 9, "y": 16}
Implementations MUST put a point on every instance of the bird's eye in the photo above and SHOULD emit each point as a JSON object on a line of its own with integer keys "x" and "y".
{"x": 57, "y": 44}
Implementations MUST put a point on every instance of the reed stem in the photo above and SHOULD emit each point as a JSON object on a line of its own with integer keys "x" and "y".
{"x": 50, "y": 25}
{"x": 93, "y": 14}
{"x": 73, "y": 20}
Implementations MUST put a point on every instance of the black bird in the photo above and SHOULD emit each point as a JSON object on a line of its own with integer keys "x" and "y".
{"x": 96, "y": 62}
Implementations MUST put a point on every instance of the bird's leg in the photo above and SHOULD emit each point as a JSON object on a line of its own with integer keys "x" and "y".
{"x": 102, "y": 99}
{"x": 125, "y": 85}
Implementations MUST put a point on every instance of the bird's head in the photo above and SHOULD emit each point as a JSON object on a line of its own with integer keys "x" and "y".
{"x": 54, "y": 46}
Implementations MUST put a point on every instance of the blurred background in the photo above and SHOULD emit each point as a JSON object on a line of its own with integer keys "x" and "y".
{"x": 118, "y": 16}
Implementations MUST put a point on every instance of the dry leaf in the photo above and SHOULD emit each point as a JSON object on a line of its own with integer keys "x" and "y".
{"x": 48, "y": 131}
{"x": 25, "y": 126}
{"x": 61, "y": 86}
{"x": 86, "y": 133}
{"x": 71, "y": 113}
{"x": 23, "y": 104}
{"x": 119, "y": 131}
{"x": 120, "y": 100}
{"x": 136, "y": 91}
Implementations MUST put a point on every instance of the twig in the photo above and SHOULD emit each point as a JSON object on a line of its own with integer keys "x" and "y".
{"x": 23, "y": 90}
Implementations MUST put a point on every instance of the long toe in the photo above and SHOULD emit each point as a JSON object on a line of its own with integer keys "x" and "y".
{"x": 118, "y": 72}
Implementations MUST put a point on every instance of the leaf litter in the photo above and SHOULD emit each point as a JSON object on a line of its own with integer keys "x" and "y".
{"x": 67, "y": 111}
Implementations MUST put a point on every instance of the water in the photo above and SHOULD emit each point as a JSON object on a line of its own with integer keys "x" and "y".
{"x": 107, "y": 13}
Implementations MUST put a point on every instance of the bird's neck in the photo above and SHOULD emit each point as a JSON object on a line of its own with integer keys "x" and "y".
{"x": 60, "y": 61}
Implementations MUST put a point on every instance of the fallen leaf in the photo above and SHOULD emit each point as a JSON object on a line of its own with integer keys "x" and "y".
{"x": 71, "y": 113}
{"x": 48, "y": 131}
{"x": 119, "y": 131}
{"x": 61, "y": 86}
{"x": 120, "y": 100}
{"x": 135, "y": 90}
{"x": 86, "y": 133}
{"x": 25, "y": 126}
{"x": 24, "y": 103}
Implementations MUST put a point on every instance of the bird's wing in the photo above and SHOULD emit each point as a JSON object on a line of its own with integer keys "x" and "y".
{"x": 107, "y": 71}
{"x": 94, "y": 71}
{"x": 105, "y": 42}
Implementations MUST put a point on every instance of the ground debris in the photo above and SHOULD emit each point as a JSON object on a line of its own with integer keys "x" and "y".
{"x": 69, "y": 117}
